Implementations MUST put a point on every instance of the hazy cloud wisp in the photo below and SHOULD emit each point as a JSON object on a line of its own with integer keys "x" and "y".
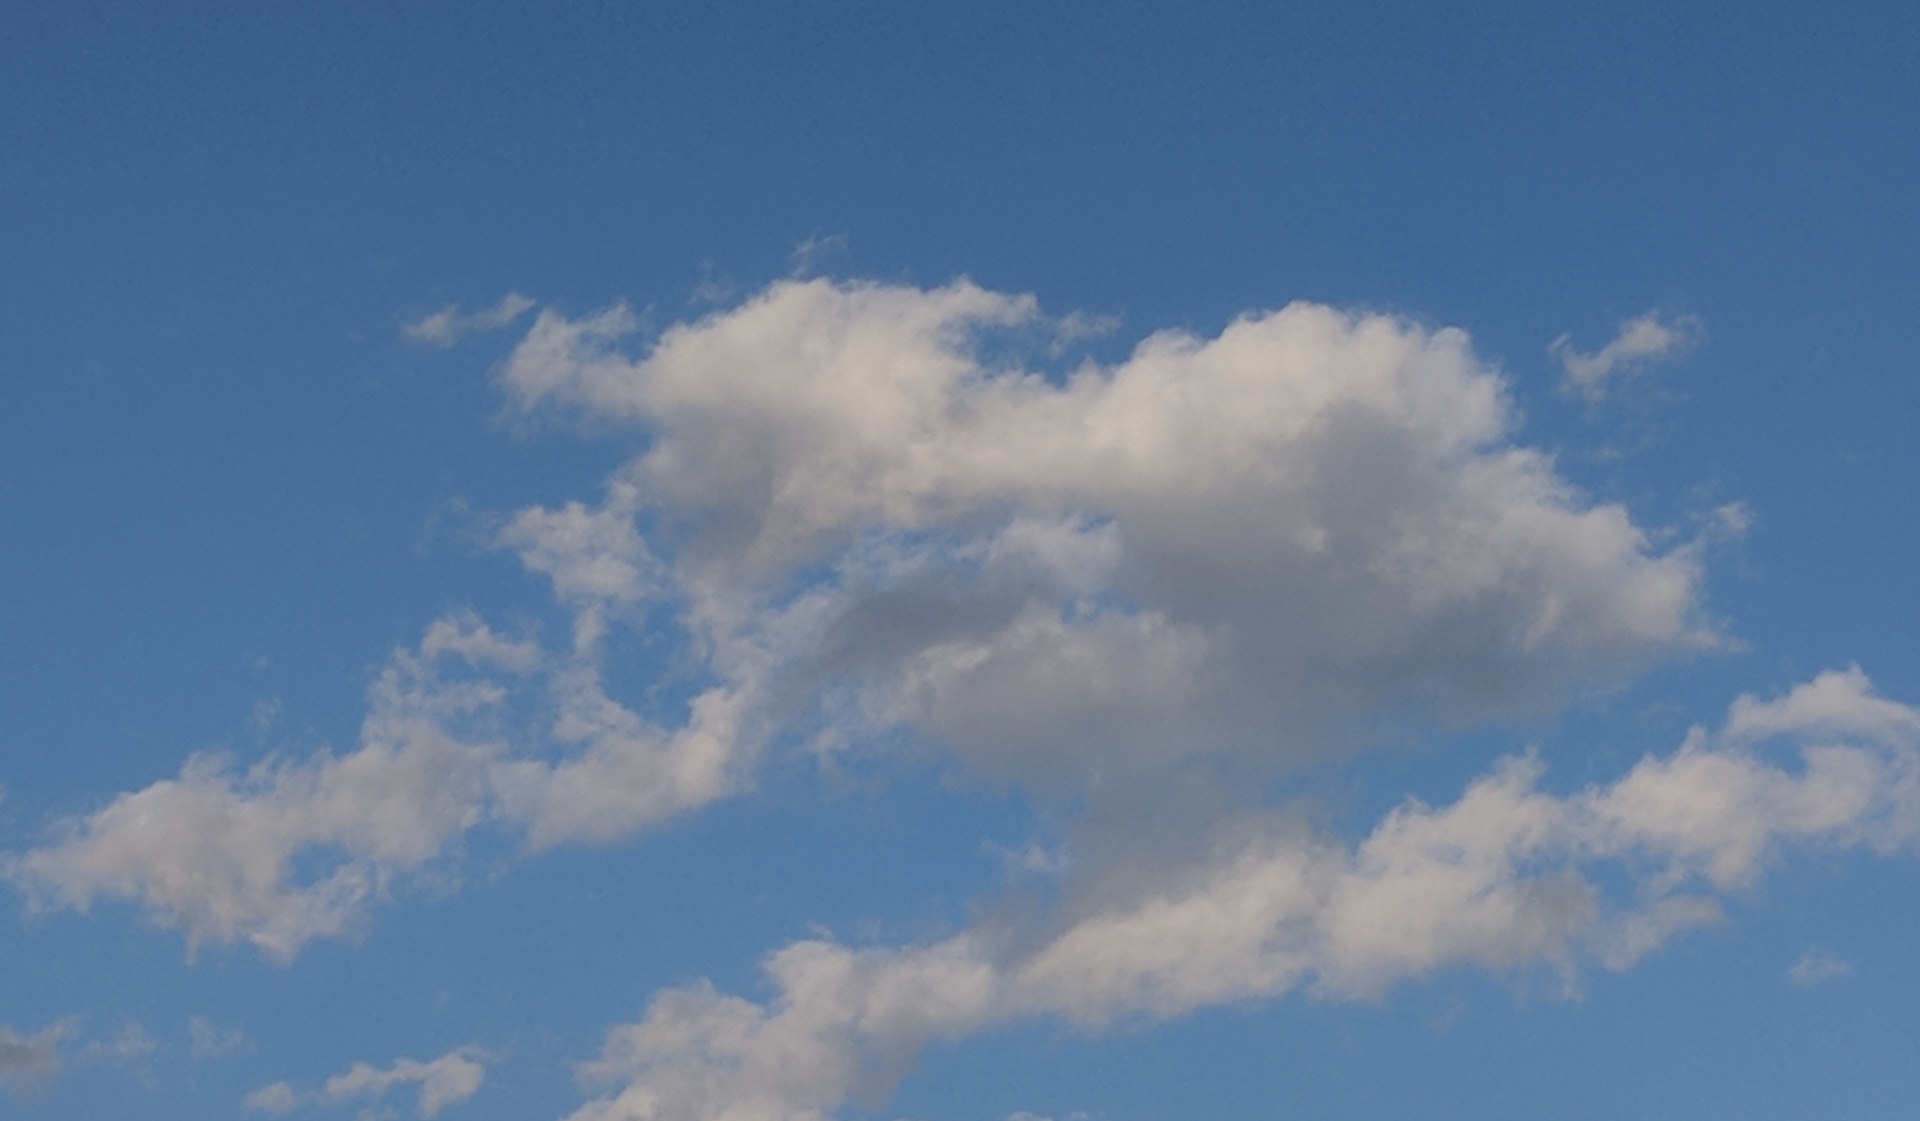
{"x": 1642, "y": 339}
{"x": 448, "y": 326}
{"x": 448, "y": 1080}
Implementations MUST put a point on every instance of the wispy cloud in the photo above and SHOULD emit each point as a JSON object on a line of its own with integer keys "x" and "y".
{"x": 277, "y": 1099}
{"x": 448, "y": 1080}
{"x": 448, "y": 325}
{"x": 211, "y": 852}
{"x": 29, "y": 1064}
{"x": 1815, "y": 968}
{"x": 204, "y": 1041}
{"x": 127, "y": 1045}
{"x": 1643, "y": 339}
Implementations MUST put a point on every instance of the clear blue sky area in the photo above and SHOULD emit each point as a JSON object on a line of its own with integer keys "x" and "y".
{"x": 959, "y": 562}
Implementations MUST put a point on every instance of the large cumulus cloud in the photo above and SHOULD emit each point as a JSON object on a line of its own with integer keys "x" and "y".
{"x": 859, "y": 512}
{"x": 1217, "y": 545}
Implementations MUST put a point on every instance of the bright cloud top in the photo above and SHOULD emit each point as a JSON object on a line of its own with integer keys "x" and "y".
{"x": 1253, "y": 548}
{"x": 1640, "y": 340}
{"x": 868, "y": 516}
{"x": 1494, "y": 879}
{"x": 1309, "y": 516}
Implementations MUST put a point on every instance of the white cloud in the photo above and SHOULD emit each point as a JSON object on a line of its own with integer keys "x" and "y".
{"x": 1495, "y": 879}
{"x": 1223, "y": 545}
{"x": 1219, "y": 547}
{"x": 1219, "y": 556}
{"x": 630, "y": 774}
{"x": 447, "y": 326}
{"x": 213, "y": 851}
{"x": 591, "y": 556}
{"x": 448, "y": 1080}
{"x": 1814, "y": 968}
{"x": 1640, "y": 340}
{"x": 1257, "y": 547}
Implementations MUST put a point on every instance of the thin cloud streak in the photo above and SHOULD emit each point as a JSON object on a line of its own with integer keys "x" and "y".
{"x": 448, "y": 326}
{"x": 1816, "y": 968}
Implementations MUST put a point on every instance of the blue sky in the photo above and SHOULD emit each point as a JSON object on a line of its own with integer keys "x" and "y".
{"x": 937, "y": 563}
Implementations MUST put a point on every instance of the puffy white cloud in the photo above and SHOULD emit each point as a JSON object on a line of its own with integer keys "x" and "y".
{"x": 1495, "y": 879}
{"x": 447, "y": 326}
{"x": 1226, "y": 545}
{"x": 630, "y": 773}
{"x": 213, "y": 851}
{"x": 218, "y": 853}
{"x": 1206, "y": 562}
{"x": 846, "y": 1021}
{"x": 1640, "y": 340}
{"x": 591, "y": 556}
{"x": 1255, "y": 547}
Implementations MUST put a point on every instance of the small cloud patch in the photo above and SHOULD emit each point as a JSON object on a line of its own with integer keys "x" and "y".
{"x": 1816, "y": 968}
{"x": 1640, "y": 340}
{"x": 448, "y": 326}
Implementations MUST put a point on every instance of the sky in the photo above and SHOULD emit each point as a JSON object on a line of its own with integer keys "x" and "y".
{"x": 991, "y": 562}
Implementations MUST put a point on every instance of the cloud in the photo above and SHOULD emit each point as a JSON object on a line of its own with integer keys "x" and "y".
{"x": 130, "y": 1044}
{"x": 213, "y": 851}
{"x": 208, "y": 1042}
{"x": 1219, "y": 546}
{"x": 447, "y": 326}
{"x": 1815, "y": 968}
{"x": 1241, "y": 551}
{"x": 30, "y": 1063}
{"x": 277, "y": 1099}
{"x": 1495, "y": 879}
{"x": 591, "y": 556}
{"x": 1640, "y": 340}
{"x": 1142, "y": 591}
{"x": 448, "y": 1080}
